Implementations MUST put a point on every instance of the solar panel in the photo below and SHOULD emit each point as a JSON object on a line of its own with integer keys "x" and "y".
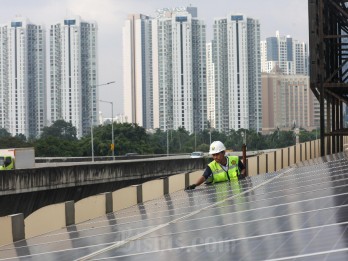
{"x": 300, "y": 212}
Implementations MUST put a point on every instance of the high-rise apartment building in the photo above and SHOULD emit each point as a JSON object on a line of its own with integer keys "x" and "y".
{"x": 73, "y": 73}
{"x": 137, "y": 70}
{"x": 22, "y": 78}
{"x": 236, "y": 58}
{"x": 282, "y": 53}
{"x": 165, "y": 70}
{"x": 301, "y": 57}
{"x": 179, "y": 50}
{"x": 210, "y": 86}
{"x": 288, "y": 102}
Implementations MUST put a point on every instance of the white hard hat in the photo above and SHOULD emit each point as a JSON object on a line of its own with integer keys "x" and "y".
{"x": 216, "y": 147}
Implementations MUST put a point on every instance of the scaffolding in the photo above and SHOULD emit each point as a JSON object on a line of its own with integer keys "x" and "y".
{"x": 328, "y": 42}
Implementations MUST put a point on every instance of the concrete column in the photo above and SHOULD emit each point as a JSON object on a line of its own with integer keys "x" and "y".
{"x": 165, "y": 186}
{"x": 18, "y": 227}
{"x": 69, "y": 213}
{"x": 187, "y": 179}
{"x": 247, "y": 167}
{"x": 139, "y": 193}
{"x": 12, "y": 228}
{"x": 108, "y": 203}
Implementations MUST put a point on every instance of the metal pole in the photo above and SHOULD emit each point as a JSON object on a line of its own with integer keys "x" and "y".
{"x": 92, "y": 121}
{"x": 167, "y": 142}
{"x": 92, "y": 140}
{"x": 210, "y": 123}
{"x": 112, "y": 130}
{"x": 195, "y": 141}
{"x": 244, "y": 157}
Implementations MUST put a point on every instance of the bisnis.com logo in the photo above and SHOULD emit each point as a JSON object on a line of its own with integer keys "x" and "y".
{"x": 188, "y": 244}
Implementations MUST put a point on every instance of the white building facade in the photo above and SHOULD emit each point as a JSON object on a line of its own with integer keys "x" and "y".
{"x": 210, "y": 86}
{"x": 137, "y": 66}
{"x": 23, "y": 78}
{"x": 165, "y": 70}
{"x": 73, "y": 73}
{"x": 180, "y": 69}
{"x": 236, "y": 58}
{"x": 284, "y": 54}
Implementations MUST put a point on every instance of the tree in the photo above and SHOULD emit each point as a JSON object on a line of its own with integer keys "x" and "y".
{"x": 4, "y": 133}
{"x": 128, "y": 138}
{"x": 56, "y": 147}
{"x": 60, "y": 129}
{"x": 21, "y": 137}
{"x": 307, "y": 136}
{"x": 13, "y": 142}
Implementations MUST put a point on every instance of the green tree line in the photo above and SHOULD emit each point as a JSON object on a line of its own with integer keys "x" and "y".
{"x": 60, "y": 140}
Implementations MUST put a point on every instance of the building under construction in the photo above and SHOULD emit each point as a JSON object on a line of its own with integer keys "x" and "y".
{"x": 328, "y": 41}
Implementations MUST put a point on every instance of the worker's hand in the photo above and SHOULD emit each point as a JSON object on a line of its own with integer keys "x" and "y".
{"x": 193, "y": 186}
{"x": 241, "y": 176}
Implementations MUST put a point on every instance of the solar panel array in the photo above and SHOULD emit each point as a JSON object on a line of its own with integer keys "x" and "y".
{"x": 298, "y": 213}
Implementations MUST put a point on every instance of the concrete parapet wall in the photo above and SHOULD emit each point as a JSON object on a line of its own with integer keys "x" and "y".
{"x": 293, "y": 151}
{"x": 124, "y": 198}
{"x": 89, "y": 208}
{"x": 262, "y": 163}
{"x": 309, "y": 153}
{"x": 252, "y": 166}
{"x": 176, "y": 183}
{"x": 271, "y": 162}
{"x": 44, "y": 220}
{"x": 279, "y": 164}
{"x": 298, "y": 153}
{"x": 283, "y": 158}
{"x": 46, "y": 178}
{"x": 152, "y": 189}
{"x": 194, "y": 176}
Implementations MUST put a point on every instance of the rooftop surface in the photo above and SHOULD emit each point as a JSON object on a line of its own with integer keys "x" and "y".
{"x": 298, "y": 213}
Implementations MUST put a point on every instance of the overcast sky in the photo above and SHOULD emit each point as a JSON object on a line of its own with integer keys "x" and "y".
{"x": 290, "y": 17}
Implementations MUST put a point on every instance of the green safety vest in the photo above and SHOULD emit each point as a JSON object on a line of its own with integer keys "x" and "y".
{"x": 219, "y": 174}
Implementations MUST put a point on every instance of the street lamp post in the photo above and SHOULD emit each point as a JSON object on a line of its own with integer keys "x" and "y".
{"x": 92, "y": 119}
{"x": 167, "y": 142}
{"x": 112, "y": 128}
{"x": 210, "y": 124}
{"x": 195, "y": 141}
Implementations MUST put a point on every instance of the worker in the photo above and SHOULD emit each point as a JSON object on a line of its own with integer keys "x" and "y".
{"x": 222, "y": 168}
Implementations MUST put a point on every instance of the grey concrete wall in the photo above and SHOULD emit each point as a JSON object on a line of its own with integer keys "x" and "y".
{"x": 47, "y": 178}
{"x": 30, "y": 190}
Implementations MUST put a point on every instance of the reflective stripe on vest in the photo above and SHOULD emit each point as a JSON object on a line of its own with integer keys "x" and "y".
{"x": 219, "y": 174}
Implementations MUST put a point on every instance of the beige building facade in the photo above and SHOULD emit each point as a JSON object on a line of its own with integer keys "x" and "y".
{"x": 288, "y": 102}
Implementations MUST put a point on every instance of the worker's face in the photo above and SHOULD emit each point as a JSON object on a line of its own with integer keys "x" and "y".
{"x": 220, "y": 157}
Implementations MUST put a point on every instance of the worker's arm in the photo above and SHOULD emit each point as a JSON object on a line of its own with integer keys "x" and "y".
{"x": 198, "y": 182}
{"x": 203, "y": 178}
